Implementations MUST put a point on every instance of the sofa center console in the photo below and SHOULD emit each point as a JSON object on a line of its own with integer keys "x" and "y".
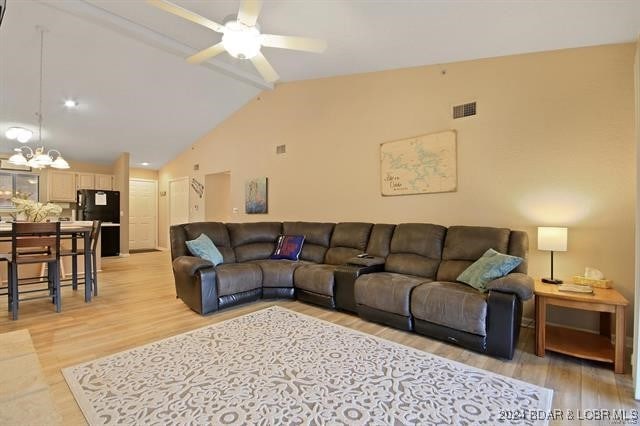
{"x": 345, "y": 279}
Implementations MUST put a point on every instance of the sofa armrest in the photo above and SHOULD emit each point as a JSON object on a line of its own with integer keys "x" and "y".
{"x": 195, "y": 280}
{"x": 516, "y": 283}
{"x": 189, "y": 265}
{"x": 366, "y": 261}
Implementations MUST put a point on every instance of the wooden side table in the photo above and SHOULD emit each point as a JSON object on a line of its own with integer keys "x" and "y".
{"x": 577, "y": 343}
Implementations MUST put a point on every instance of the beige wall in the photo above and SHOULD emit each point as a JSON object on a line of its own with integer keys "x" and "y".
{"x": 77, "y": 166}
{"x": 121, "y": 183}
{"x": 217, "y": 197}
{"x": 552, "y": 144}
{"x": 636, "y": 317}
{"x": 143, "y": 174}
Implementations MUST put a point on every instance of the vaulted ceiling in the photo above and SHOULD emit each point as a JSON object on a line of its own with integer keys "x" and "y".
{"x": 123, "y": 61}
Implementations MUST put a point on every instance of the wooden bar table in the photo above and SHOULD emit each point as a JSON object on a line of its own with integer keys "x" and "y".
{"x": 71, "y": 230}
{"x": 609, "y": 302}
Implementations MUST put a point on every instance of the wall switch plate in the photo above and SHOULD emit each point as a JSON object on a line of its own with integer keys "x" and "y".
{"x": 235, "y": 210}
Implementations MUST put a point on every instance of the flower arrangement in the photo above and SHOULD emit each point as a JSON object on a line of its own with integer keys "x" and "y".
{"x": 34, "y": 211}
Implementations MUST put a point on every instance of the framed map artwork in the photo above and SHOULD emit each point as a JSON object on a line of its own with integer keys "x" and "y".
{"x": 419, "y": 165}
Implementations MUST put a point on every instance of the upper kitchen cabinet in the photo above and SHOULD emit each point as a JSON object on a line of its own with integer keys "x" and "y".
{"x": 61, "y": 186}
{"x": 104, "y": 182}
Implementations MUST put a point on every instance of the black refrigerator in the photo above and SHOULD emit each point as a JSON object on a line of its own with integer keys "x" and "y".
{"x": 93, "y": 204}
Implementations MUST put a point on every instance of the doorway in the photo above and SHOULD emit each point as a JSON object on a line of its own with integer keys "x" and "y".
{"x": 143, "y": 216}
{"x": 217, "y": 196}
{"x": 178, "y": 203}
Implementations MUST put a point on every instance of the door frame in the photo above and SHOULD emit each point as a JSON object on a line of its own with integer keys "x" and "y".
{"x": 155, "y": 208}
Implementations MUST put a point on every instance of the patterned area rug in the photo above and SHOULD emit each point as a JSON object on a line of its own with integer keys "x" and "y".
{"x": 276, "y": 366}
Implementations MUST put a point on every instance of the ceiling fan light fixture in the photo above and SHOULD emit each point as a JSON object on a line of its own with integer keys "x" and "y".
{"x": 241, "y": 41}
{"x": 21, "y": 134}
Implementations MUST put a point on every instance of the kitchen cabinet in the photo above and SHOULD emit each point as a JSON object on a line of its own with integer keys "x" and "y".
{"x": 103, "y": 182}
{"x": 85, "y": 181}
{"x": 61, "y": 186}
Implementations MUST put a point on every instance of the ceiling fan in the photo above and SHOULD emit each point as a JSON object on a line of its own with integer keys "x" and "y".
{"x": 241, "y": 37}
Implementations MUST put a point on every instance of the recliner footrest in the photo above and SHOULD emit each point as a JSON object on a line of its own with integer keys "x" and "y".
{"x": 388, "y": 318}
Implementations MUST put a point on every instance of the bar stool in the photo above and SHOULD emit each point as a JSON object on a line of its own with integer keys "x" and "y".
{"x": 74, "y": 253}
{"x": 27, "y": 242}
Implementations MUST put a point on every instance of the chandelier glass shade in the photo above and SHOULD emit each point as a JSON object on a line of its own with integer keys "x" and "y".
{"x": 25, "y": 155}
{"x": 38, "y": 159}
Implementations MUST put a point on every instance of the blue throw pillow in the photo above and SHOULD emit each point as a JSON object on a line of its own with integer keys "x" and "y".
{"x": 490, "y": 266}
{"x": 203, "y": 247}
{"x": 288, "y": 247}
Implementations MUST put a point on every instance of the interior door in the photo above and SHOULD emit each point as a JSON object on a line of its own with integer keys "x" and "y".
{"x": 179, "y": 201}
{"x": 142, "y": 214}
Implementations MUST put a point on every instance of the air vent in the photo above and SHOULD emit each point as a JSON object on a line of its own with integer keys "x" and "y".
{"x": 465, "y": 110}
{"x": 281, "y": 149}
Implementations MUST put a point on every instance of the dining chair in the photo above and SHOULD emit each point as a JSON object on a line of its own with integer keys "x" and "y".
{"x": 79, "y": 251}
{"x": 33, "y": 243}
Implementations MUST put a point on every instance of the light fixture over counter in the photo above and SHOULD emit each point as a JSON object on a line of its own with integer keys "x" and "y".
{"x": 25, "y": 155}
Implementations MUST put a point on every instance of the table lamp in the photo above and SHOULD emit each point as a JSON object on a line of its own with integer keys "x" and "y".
{"x": 551, "y": 238}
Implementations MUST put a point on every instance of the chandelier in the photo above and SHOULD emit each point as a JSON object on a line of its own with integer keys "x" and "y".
{"x": 38, "y": 158}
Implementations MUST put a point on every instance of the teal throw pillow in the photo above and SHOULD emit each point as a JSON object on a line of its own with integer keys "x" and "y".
{"x": 490, "y": 266}
{"x": 203, "y": 247}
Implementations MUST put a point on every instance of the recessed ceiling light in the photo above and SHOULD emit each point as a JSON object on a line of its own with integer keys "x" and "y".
{"x": 144, "y": 163}
{"x": 70, "y": 103}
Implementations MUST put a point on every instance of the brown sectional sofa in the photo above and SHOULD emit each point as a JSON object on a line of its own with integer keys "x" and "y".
{"x": 408, "y": 282}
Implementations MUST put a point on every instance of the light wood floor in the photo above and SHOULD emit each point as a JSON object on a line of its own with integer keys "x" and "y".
{"x": 137, "y": 305}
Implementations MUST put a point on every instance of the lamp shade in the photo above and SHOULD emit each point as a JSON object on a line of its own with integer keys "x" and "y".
{"x": 551, "y": 238}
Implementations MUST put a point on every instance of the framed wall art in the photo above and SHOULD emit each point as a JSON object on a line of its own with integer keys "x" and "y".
{"x": 419, "y": 165}
{"x": 255, "y": 196}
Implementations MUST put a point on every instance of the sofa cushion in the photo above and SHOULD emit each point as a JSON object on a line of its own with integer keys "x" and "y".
{"x": 277, "y": 273}
{"x": 416, "y": 249}
{"x": 204, "y": 248}
{"x": 380, "y": 239}
{"x": 490, "y": 266}
{"x": 519, "y": 246}
{"x": 387, "y": 291}
{"x": 217, "y": 232}
{"x": 315, "y": 278}
{"x": 252, "y": 241}
{"x": 317, "y": 238}
{"x": 452, "y": 305}
{"x": 471, "y": 242}
{"x": 349, "y": 239}
{"x": 449, "y": 270}
{"x": 178, "y": 238}
{"x": 235, "y": 278}
{"x": 466, "y": 244}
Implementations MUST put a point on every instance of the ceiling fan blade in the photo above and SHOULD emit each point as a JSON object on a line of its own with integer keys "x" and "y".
{"x": 264, "y": 68}
{"x": 295, "y": 43}
{"x": 249, "y": 11}
{"x": 207, "y": 53}
{"x": 186, "y": 14}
